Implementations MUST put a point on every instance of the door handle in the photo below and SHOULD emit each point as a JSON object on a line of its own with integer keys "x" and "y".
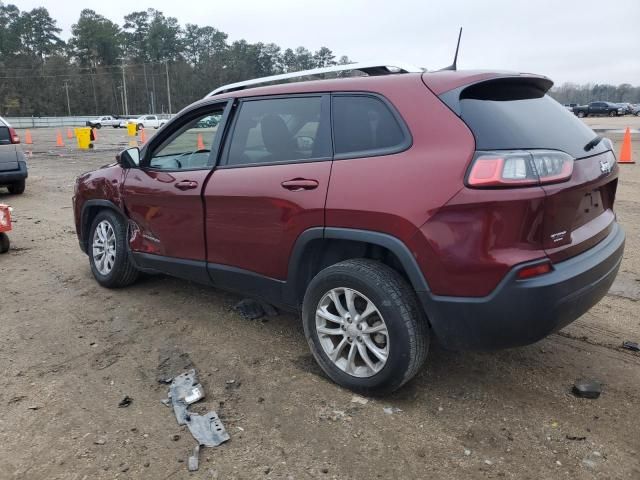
{"x": 299, "y": 184}
{"x": 186, "y": 185}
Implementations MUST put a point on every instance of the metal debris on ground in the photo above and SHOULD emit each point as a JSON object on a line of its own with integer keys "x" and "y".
{"x": 574, "y": 437}
{"x": 631, "y": 346}
{"x": 587, "y": 389}
{"x": 207, "y": 429}
{"x": 252, "y": 309}
{"x": 125, "y": 402}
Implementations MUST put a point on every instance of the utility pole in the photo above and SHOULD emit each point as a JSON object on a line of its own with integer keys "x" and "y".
{"x": 146, "y": 86}
{"x": 66, "y": 87}
{"x": 124, "y": 87}
{"x": 166, "y": 66}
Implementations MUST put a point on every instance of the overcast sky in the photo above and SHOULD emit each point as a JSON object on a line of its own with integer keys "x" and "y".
{"x": 568, "y": 40}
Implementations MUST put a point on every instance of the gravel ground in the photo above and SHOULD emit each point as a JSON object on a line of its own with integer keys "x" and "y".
{"x": 70, "y": 351}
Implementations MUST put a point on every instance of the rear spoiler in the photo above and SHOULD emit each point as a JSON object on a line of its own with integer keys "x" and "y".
{"x": 497, "y": 89}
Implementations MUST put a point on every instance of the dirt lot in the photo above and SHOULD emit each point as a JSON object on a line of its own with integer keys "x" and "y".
{"x": 71, "y": 350}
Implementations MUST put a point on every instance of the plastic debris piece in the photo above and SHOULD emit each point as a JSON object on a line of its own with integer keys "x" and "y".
{"x": 573, "y": 437}
{"x": 359, "y": 399}
{"x": 184, "y": 386}
{"x": 125, "y": 402}
{"x": 587, "y": 389}
{"x": 391, "y": 410}
{"x": 631, "y": 346}
{"x": 192, "y": 463}
{"x": 252, "y": 309}
{"x": 207, "y": 429}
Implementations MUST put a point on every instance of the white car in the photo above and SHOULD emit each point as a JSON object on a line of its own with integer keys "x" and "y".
{"x": 148, "y": 121}
{"x": 104, "y": 121}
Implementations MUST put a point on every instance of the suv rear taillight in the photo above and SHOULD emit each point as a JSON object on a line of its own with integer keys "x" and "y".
{"x": 13, "y": 136}
{"x": 519, "y": 168}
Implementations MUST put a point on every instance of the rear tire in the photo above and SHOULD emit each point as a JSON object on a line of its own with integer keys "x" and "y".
{"x": 374, "y": 353}
{"x": 108, "y": 253}
{"x": 17, "y": 188}
{"x": 98, "y": 126}
{"x": 5, "y": 244}
{"x": 139, "y": 127}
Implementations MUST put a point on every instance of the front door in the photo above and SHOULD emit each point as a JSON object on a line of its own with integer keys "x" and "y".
{"x": 271, "y": 184}
{"x": 164, "y": 196}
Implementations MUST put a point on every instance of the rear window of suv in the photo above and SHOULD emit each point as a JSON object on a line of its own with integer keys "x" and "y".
{"x": 506, "y": 115}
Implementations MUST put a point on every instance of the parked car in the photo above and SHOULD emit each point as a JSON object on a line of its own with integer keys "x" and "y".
{"x": 386, "y": 209}
{"x": 598, "y": 108}
{"x": 104, "y": 121}
{"x": 13, "y": 164}
{"x": 626, "y": 108}
{"x": 635, "y": 110}
{"x": 148, "y": 121}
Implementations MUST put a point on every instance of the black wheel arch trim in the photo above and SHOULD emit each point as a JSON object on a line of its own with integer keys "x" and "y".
{"x": 85, "y": 212}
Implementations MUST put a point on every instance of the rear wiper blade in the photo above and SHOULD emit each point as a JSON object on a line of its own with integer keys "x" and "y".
{"x": 591, "y": 145}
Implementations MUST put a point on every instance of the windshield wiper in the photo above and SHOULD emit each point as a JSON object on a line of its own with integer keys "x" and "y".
{"x": 592, "y": 144}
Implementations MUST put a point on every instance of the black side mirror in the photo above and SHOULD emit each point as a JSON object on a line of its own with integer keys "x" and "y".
{"x": 129, "y": 158}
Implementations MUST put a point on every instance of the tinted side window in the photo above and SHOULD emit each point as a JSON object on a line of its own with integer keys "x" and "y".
{"x": 280, "y": 130}
{"x": 364, "y": 124}
{"x": 5, "y": 138}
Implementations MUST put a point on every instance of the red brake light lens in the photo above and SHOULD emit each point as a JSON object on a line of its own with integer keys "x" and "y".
{"x": 13, "y": 136}
{"x": 519, "y": 168}
{"x": 534, "y": 271}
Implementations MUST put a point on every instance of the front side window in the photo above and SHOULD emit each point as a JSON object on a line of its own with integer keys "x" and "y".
{"x": 189, "y": 147}
{"x": 364, "y": 124}
{"x": 280, "y": 130}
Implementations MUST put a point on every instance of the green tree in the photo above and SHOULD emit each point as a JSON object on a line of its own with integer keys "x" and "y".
{"x": 202, "y": 43}
{"x": 135, "y": 35}
{"x": 163, "y": 41}
{"x": 39, "y": 34}
{"x": 324, "y": 58}
{"x": 96, "y": 40}
{"x": 9, "y": 30}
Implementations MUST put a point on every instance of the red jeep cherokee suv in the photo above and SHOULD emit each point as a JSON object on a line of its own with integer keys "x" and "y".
{"x": 386, "y": 208}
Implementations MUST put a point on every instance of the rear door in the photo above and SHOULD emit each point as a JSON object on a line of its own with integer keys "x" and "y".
{"x": 271, "y": 185}
{"x": 517, "y": 115}
{"x": 164, "y": 196}
{"x": 8, "y": 150}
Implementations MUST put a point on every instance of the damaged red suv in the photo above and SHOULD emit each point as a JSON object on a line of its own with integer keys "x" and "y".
{"x": 388, "y": 209}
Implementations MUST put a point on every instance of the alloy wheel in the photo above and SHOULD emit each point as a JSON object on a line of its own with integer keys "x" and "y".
{"x": 352, "y": 332}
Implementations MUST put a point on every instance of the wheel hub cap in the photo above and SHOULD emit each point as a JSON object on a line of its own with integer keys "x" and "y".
{"x": 352, "y": 332}
{"x": 104, "y": 247}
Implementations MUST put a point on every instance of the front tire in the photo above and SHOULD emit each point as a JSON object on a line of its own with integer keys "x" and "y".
{"x": 613, "y": 114}
{"x": 107, "y": 249}
{"x": 581, "y": 114}
{"x": 364, "y": 326}
{"x": 17, "y": 188}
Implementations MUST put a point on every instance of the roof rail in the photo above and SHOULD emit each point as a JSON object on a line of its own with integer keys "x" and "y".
{"x": 373, "y": 68}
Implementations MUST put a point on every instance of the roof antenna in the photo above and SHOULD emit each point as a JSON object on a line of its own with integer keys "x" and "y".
{"x": 454, "y": 65}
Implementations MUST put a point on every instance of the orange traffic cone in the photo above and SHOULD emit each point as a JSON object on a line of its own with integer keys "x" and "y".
{"x": 625, "y": 151}
{"x": 200, "y": 142}
{"x": 143, "y": 136}
{"x": 95, "y": 133}
{"x": 59, "y": 142}
{"x": 27, "y": 137}
{"x": 69, "y": 134}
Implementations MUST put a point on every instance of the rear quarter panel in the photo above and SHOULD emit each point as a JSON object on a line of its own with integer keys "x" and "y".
{"x": 396, "y": 194}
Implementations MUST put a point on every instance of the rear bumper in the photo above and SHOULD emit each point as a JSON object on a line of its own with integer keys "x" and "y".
{"x": 521, "y": 312}
{"x": 12, "y": 176}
